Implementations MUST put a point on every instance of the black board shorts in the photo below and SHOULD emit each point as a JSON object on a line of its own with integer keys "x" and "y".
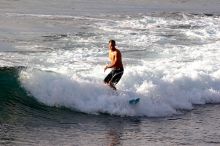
{"x": 114, "y": 76}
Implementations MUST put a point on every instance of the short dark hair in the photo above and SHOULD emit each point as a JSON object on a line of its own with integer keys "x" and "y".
{"x": 112, "y": 42}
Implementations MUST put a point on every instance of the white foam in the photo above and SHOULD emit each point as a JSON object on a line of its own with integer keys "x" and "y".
{"x": 164, "y": 88}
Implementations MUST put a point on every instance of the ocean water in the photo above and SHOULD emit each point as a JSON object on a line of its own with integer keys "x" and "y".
{"x": 52, "y": 58}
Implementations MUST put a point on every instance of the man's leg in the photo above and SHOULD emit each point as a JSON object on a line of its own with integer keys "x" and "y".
{"x": 115, "y": 78}
{"x": 108, "y": 80}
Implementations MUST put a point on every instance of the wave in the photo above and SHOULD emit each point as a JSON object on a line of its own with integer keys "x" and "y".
{"x": 159, "y": 95}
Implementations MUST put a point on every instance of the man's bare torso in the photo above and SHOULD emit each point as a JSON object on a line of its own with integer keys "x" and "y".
{"x": 115, "y": 58}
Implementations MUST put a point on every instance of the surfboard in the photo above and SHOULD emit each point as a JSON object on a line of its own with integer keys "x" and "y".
{"x": 134, "y": 101}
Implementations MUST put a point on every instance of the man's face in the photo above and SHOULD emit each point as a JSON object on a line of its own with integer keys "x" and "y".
{"x": 110, "y": 46}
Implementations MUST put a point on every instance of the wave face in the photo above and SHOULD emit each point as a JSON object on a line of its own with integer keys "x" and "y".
{"x": 171, "y": 61}
{"x": 14, "y": 100}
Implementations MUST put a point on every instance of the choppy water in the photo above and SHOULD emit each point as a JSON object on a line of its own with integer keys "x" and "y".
{"x": 52, "y": 56}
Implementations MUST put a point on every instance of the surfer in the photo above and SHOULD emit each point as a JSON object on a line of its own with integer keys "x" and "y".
{"x": 116, "y": 64}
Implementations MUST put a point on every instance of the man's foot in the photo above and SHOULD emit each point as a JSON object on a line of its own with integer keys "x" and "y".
{"x": 112, "y": 86}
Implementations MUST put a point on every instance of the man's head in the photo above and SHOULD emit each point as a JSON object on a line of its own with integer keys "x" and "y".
{"x": 111, "y": 44}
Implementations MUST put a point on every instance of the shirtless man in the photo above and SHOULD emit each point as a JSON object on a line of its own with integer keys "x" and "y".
{"x": 116, "y": 64}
